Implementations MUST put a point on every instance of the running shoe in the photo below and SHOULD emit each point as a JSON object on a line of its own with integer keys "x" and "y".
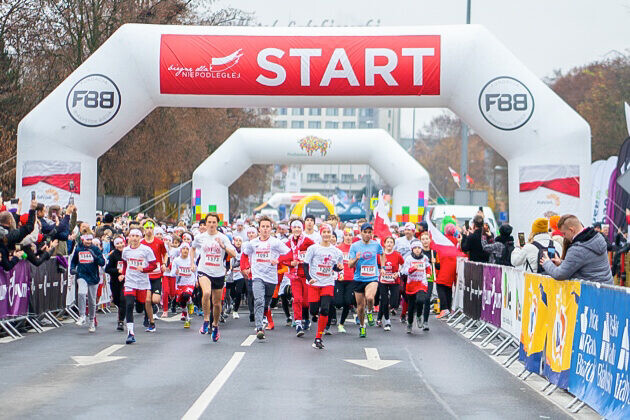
{"x": 130, "y": 339}
{"x": 387, "y": 327}
{"x": 362, "y": 332}
{"x": 187, "y": 324}
{"x": 409, "y": 328}
{"x": 151, "y": 328}
{"x": 183, "y": 318}
{"x": 299, "y": 331}
{"x": 80, "y": 321}
{"x": 204, "y": 328}
{"x": 260, "y": 334}
{"x": 341, "y": 329}
{"x": 307, "y": 324}
{"x": 121, "y": 326}
{"x": 403, "y": 319}
{"x": 191, "y": 309}
{"x": 393, "y": 312}
{"x": 333, "y": 321}
{"x": 234, "y": 315}
{"x": 289, "y": 322}
{"x": 379, "y": 323}
{"x": 419, "y": 323}
{"x": 370, "y": 318}
{"x": 146, "y": 321}
{"x": 356, "y": 320}
{"x": 425, "y": 327}
{"x": 251, "y": 318}
{"x": 318, "y": 344}
{"x": 215, "y": 334}
{"x": 92, "y": 328}
{"x": 327, "y": 331}
{"x": 443, "y": 313}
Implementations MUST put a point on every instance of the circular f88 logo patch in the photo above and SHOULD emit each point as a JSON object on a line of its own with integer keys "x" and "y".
{"x": 93, "y": 101}
{"x": 506, "y": 103}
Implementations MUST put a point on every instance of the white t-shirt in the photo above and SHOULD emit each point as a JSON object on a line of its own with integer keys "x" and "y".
{"x": 315, "y": 236}
{"x": 260, "y": 254}
{"x": 236, "y": 267}
{"x": 403, "y": 246}
{"x": 211, "y": 254}
{"x": 321, "y": 260}
{"x": 421, "y": 269}
{"x": 172, "y": 254}
{"x": 184, "y": 271}
{"x": 137, "y": 259}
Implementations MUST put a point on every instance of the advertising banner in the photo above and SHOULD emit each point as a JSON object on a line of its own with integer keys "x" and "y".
{"x": 105, "y": 291}
{"x": 491, "y": 300}
{"x": 47, "y": 288}
{"x": 473, "y": 288}
{"x": 599, "y": 373}
{"x": 535, "y": 319}
{"x": 512, "y": 300}
{"x": 458, "y": 295}
{"x": 300, "y": 65}
{"x": 562, "y": 303}
{"x": 53, "y": 181}
{"x": 14, "y": 291}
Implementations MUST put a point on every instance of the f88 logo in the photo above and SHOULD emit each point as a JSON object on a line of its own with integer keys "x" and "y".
{"x": 506, "y": 103}
{"x": 93, "y": 101}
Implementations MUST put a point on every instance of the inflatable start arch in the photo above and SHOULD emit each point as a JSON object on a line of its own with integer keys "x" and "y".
{"x": 464, "y": 68}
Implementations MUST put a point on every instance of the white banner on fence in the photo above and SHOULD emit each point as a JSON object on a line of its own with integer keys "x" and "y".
{"x": 513, "y": 285}
{"x": 70, "y": 296}
{"x": 106, "y": 294}
{"x": 458, "y": 298}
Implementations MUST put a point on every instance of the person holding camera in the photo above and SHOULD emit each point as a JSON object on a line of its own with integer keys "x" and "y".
{"x": 527, "y": 255}
{"x": 11, "y": 235}
{"x": 471, "y": 241}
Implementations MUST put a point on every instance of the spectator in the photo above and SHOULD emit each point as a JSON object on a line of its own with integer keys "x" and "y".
{"x": 471, "y": 241}
{"x": 11, "y": 235}
{"x": 603, "y": 230}
{"x": 527, "y": 257}
{"x": 586, "y": 257}
{"x": 108, "y": 223}
{"x": 500, "y": 250}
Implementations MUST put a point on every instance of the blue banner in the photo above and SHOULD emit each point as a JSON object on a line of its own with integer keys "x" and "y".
{"x": 599, "y": 373}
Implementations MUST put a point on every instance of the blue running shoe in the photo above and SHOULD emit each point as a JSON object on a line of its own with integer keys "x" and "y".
{"x": 307, "y": 324}
{"x": 151, "y": 328}
{"x": 131, "y": 339}
{"x": 215, "y": 334}
{"x": 204, "y": 328}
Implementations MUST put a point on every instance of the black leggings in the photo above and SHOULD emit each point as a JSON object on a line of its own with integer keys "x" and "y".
{"x": 445, "y": 293}
{"x": 130, "y": 300}
{"x": 322, "y": 307}
{"x": 118, "y": 297}
{"x": 236, "y": 292}
{"x": 390, "y": 295}
{"x": 420, "y": 303}
{"x": 344, "y": 293}
{"x": 250, "y": 297}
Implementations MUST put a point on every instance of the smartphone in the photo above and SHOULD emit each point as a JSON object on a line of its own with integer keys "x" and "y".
{"x": 521, "y": 239}
{"x": 466, "y": 224}
{"x": 33, "y": 195}
{"x": 551, "y": 252}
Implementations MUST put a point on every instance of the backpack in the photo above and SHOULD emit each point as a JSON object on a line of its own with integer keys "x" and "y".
{"x": 506, "y": 255}
{"x": 541, "y": 249}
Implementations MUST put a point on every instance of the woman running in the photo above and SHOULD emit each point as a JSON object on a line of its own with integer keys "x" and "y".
{"x": 425, "y": 239}
{"x": 389, "y": 282}
{"x": 115, "y": 269}
{"x": 183, "y": 270}
{"x": 344, "y": 286}
{"x": 417, "y": 267}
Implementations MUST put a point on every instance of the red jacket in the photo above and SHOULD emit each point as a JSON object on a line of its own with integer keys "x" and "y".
{"x": 289, "y": 256}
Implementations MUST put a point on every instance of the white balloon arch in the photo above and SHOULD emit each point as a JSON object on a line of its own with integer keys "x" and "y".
{"x": 374, "y": 147}
{"x": 464, "y": 68}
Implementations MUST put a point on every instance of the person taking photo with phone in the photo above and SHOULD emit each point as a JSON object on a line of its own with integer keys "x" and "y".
{"x": 527, "y": 255}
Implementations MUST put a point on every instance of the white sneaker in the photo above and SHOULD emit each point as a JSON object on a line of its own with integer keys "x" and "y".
{"x": 235, "y": 315}
{"x": 81, "y": 321}
{"x": 92, "y": 327}
{"x": 387, "y": 327}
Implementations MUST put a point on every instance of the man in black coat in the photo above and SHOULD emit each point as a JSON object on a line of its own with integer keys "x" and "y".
{"x": 471, "y": 241}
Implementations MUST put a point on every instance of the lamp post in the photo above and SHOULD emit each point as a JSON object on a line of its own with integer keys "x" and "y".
{"x": 464, "y": 163}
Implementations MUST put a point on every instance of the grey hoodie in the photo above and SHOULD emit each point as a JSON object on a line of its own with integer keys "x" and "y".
{"x": 586, "y": 259}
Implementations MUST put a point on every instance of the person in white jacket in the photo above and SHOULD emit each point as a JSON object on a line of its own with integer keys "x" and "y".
{"x": 526, "y": 258}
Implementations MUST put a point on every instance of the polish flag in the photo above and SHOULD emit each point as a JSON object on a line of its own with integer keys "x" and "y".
{"x": 455, "y": 175}
{"x": 564, "y": 179}
{"x": 441, "y": 243}
{"x": 53, "y": 172}
{"x": 469, "y": 180}
{"x": 381, "y": 219}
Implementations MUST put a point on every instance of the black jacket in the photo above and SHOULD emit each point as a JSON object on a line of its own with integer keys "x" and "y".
{"x": 472, "y": 245}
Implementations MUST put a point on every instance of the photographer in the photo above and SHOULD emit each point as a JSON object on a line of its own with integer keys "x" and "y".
{"x": 10, "y": 235}
{"x": 471, "y": 241}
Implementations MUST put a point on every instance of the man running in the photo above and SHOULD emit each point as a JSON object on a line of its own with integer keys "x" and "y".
{"x": 309, "y": 229}
{"x": 263, "y": 253}
{"x": 138, "y": 262}
{"x": 363, "y": 257}
{"x": 299, "y": 244}
{"x": 154, "y": 297}
{"x": 212, "y": 246}
{"x": 321, "y": 264}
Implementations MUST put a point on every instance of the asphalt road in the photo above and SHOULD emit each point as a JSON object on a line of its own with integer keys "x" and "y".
{"x": 440, "y": 375}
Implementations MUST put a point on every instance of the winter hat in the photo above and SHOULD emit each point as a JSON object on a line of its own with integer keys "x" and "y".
{"x": 553, "y": 222}
{"x": 415, "y": 243}
{"x": 505, "y": 230}
{"x": 540, "y": 225}
{"x": 449, "y": 229}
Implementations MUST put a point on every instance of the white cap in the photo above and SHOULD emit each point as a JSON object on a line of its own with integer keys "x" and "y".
{"x": 410, "y": 225}
{"x": 158, "y": 231}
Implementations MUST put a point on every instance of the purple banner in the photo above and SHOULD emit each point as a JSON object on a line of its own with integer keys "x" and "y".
{"x": 14, "y": 291}
{"x": 491, "y": 299}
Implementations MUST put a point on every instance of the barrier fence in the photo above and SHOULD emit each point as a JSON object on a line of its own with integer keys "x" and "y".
{"x": 32, "y": 296}
{"x": 573, "y": 333}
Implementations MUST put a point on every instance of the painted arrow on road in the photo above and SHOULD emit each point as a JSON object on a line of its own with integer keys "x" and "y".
{"x": 373, "y": 360}
{"x": 173, "y": 318}
{"x": 100, "y": 357}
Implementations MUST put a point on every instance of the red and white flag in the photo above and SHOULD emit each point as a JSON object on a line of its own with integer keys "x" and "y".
{"x": 564, "y": 179}
{"x": 63, "y": 175}
{"x": 469, "y": 180}
{"x": 441, "y": 243}
{"x": 455, "y": 175}
{"x": 381, "y": 219}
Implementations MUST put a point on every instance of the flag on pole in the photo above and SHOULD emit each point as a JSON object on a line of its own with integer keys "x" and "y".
{"x": 381, "y": 219}
{"x": 455, "y": 175}
{"x": 443, "y": 245}
{"x": 469, "y": 180}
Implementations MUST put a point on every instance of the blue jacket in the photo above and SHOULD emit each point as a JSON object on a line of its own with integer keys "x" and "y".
{"x": 87, "y": 271}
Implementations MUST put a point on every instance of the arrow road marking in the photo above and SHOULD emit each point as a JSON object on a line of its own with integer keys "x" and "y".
{"x": 373, "y": 360}
{"x": 100, "y": 357}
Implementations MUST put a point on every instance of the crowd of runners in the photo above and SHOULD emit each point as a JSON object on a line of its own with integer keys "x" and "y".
{"x": 307, "y": 267}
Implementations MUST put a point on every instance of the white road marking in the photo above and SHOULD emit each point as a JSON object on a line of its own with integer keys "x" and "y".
{"x": 173, "y": 318}
{"x": 373, "y": 360}
{"x": 215, "y": 386}
{"x": 100, "y": 357}
{"x": 248, "y": 341}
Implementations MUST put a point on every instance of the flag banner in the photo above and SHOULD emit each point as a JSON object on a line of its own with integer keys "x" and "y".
{"x": 599, "y": 373}
{"x": 46, "y": 288}
{"x": 455, "y": 175}
{"x": 601, "y": 172}
{"x": 491, "y": 299}
{"x": 534, "y": 325}
{"x": 512, "y": 300}
{"x": 381, "y": 219}
{"x": 106, "y": 294}
{"x": 458, "y": 296}
{"x": 563, "y": 298}
{"x": 53, "y": 181}
{"x": 473, "y": 289}
{"x": 468, "y": 294}
{"x": 14, "y": 292}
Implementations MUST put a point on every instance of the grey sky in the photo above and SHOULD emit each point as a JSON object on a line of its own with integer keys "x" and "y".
{"x": 544, "y": 34}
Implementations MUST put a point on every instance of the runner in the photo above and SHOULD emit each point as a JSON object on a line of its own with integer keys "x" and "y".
{"x": 417, "y": 267}
{"x": 425, "y": 239}
{"x": 212, "y": 246}
{"x": 299, "y": 243}
{"x": 321, "y": 263}
{"x": 114, "y": 268}
{"x": 363, "y": 258}
{"x": 309, "y": 229}
{"x": 183, "y": 270}
{"x": 237, "y": 285}
{"x": 344, "y": 286}
{"x": 139, "y": 261}
{"x": 159, "y": 250}
{"x": 169, "y": 291}
{"x": 403, "y": 247}
{"x": 252, "y": 234}
{"x": 263, "y": 254}
{"x": 389, "y": 284}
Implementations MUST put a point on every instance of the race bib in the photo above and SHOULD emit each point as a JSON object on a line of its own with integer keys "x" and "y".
{"x": 388, "y": 278}
{"x": 324, "y": 270}
{"x": 120, "y": 266}
{"x": 419, "y": 274}
{"x": 346, "y": 257}
{"x": 301, "y": 256}
{"x": 86, "y": 257}
{"x": 368, "y": 270}
{"x": 213, "y": 260}
{"x": 184, "y": 271}
{"x": 135, "y": 264}
{"x": 263, "y": 256}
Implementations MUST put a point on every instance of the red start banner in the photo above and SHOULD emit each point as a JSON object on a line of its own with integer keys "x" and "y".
{"x": 300, "y": 65}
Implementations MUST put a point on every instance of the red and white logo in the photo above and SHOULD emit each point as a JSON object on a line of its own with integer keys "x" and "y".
{"x": 300, "y": 65}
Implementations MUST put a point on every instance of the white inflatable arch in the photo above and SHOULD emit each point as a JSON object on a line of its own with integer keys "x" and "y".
{"x": 374, "y": 147}
{"x": 464, "y": 68}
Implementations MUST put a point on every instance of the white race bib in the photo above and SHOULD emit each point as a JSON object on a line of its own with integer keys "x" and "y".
{"x": 135, "y": 264}
{"x": 388, "y": 278}
{"x": 86, "y": 257}
{"x": 324, "y": 270}
{"x": 213, "y": 260}
{"x": 120, "y": 266}
{"x": 368, "y": 270}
